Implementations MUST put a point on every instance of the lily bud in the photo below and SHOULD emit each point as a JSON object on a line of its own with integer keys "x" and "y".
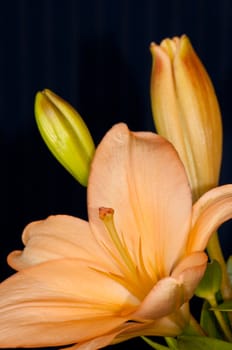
{"x": 186, "y": 111}
{"x": 65, "y": 134}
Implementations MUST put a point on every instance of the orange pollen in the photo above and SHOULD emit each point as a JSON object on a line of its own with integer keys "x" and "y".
{"x": 105, "y": 212}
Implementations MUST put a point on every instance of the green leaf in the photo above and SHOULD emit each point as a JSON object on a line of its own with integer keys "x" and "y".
{"x": 172, "y": 343}
{"x": 154, "y": 345}
{"x": 208, "y": 322}
{"x": 226, "y": 306}
{"x": 210, "y": 285}
{"x": 202, "y": 343}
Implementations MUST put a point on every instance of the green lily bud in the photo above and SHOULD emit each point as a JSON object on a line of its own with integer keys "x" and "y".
{"x": 65, "y": 134}
{"x": 211, "y": 282}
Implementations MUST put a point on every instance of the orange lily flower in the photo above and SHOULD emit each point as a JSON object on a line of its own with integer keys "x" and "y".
{"x": 131, "y": 269}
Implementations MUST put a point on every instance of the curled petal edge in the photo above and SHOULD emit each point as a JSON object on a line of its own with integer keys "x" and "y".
{"x": 209, "y": 212}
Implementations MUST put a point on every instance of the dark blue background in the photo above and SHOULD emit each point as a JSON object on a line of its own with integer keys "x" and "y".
{"x": 95, "y": 54}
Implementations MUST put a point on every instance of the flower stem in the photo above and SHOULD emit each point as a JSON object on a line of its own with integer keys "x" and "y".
{"x": 221, "y": 320}
{"x": 194, "y": 328}
{"x": 215, "y": 253}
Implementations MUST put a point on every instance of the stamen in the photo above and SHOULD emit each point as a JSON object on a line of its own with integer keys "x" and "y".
{"x": 107, "y": 216}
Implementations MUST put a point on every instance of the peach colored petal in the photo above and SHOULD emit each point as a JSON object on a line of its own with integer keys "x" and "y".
{"x": 96, "y": 343}
{"x": 165, "y": 298}
{"x": 140, "y": 176}
{"x": 209, "y": 212}
{"x": 60, "y": 302}
{"x": 171, "y": 325}
{"x": 57, "y": 237}
{"x": 189, "y": 272}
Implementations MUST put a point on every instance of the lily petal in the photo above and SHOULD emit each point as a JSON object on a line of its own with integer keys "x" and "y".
{"x": 60, "y": 302}
{"x": 168, "y": 326}
{"x": 93, "y": 344}
{"x": 171, "y": 325}
{"x": 131, "y": 174}
{"x": 59, "y": 236}
{"x": 165, "y": 298}
{"x": 209, "y": 212}
{"x": 189, "y": 272}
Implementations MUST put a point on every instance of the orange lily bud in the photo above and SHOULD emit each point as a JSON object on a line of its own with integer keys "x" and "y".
{"x": 65, "y": 134}
{"x": 186, "y": 111}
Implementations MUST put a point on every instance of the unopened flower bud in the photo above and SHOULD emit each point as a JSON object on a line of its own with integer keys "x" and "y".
{"x": 65, "y": 134}
{"x": 186, "y": 111}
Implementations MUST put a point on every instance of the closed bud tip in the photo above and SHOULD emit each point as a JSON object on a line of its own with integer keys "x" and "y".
{"x": 65, "y": 134}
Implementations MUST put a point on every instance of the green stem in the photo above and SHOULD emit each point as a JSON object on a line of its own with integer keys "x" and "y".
{"x": 221, "y": 320}
{"x": 194, "y": 328}
{"x": 215, "y": 253}
{"x": 154, "y": 345}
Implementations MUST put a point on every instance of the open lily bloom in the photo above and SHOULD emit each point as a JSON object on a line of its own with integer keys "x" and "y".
{"x": 131, "y": 269}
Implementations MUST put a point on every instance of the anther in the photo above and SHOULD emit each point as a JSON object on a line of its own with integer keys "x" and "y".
{"x": 105, "y": 212}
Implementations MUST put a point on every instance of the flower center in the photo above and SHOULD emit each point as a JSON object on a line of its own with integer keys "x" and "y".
{"x": 135, "y": 277}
